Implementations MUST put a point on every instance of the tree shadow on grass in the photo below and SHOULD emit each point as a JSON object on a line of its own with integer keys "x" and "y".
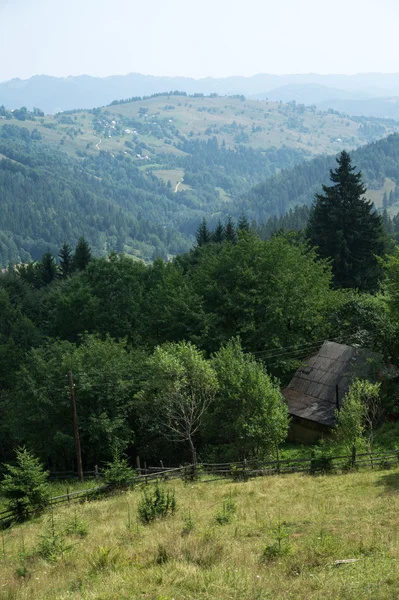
{"x": 389, "y": 481}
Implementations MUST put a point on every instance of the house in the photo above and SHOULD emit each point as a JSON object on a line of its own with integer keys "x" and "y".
{"x": 319, "y": 386}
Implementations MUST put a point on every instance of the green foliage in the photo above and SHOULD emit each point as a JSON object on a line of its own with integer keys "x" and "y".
{"x": 322, "y": 459}
{"x": 24, "y": 485}
{"x": 103, "y": 375}
{"x": 53, "y": 544}
{"x": 257, "y": 419}
{"x": 280, "y": 546}
{"x": 180, "y": 388}
{"x": 189, "y": 526}
{"x": 117, "y": 472}
{"x": 82, "y": 255}
{"x": 346, "y": 229}
{"x": 104, "y": 558}
{"x": 76, "y": 526}
{"x": 65, "y": 256}
{"x": 156, "y": 504}
{"x": 227, "y": 512}
{"x": 355, "y": 418}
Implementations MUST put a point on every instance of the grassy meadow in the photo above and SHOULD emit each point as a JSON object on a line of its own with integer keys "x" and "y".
{"x": 272, "y": 537}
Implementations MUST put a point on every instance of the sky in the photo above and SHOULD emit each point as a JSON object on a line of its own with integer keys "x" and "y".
{"x": 197, "y": 38}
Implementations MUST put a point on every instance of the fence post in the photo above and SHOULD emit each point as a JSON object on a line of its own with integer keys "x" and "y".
{"x": 138, "y": 466}
{"x": 244, "y": 469}
{"x": 96, "y": 472}
{"x": 69, "y": 500}
{"x": 278, "y": 460}
{"x": 145, "y": 472}
{"x": 353, "y": 458}
{"x": 194, "y": 464}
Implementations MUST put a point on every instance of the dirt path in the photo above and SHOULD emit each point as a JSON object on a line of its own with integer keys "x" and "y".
{"x": 177, "y": 186}
{"x": 98, "y": 145}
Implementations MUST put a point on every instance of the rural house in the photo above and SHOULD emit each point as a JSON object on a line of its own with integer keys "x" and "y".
{"x": 319, "y": 387}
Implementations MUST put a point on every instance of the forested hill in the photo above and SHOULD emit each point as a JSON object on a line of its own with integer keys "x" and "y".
{"x": 139, "y": 175}
{"x": 48, "y": 197}
{"x": 379, "y": 162}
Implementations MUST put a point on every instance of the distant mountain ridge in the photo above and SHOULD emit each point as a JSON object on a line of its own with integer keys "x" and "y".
{"x": 53, "y": 94}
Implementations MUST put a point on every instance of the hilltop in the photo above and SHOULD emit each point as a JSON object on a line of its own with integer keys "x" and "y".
{"x": 162, "y": 122}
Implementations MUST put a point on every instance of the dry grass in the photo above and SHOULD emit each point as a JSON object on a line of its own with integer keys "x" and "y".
{"x": 319, "y": 520}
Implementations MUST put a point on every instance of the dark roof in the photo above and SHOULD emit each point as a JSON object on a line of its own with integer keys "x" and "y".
{"x": 312, "y": 394}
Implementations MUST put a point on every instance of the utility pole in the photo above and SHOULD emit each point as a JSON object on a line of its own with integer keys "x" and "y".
{"x": 75, "y": 426}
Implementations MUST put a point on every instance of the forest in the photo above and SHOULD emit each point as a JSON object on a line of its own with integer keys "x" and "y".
{"x": 49, "y": 196}
{"x": 223, "y": 325}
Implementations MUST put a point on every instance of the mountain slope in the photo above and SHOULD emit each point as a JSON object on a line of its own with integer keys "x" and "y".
{"x": 379, "y": 162}
{"x": 138, "y": 176}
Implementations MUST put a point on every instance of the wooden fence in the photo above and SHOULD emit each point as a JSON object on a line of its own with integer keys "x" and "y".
{"x": 239, "y": 471}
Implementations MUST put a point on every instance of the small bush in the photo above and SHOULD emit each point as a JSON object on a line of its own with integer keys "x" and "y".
{"x": 156, "y": 505}
{"x": 239, "y": 473}
{"x": 104, "y": 558}
{"x": 76, "y": 527}
{"x": 280, "y": 546}
{"x": 25, "y": 485}
{"x": 162, "y": 556}
{"x": 188, "y": 526}
{"x": 227, "y": 513}
{"x": 117, "y": 472}
{"x": 53, "y": 544}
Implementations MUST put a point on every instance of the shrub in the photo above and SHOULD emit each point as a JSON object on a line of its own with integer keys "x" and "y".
{"x": 117, "y": 472}
{"x": 228, "y": 511}
{"x": 188, "y": 526}
{"x": 280, "y": 545}
{"x": 156, "y": 505}
{"x": 104, "y": 558}
{"x": 25, "y": 485}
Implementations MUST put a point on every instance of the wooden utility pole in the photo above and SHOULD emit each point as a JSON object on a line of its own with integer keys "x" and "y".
{"x": 75, "y": 426}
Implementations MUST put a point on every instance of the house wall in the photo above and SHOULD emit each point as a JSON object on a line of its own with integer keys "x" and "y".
{"x": 303, "y": 431}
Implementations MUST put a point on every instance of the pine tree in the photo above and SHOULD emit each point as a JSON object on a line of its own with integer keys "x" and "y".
{"x": 391, "y": 198}
{"x": 345, "y": 227}
{"x": 203, "y": 235}
{"x": 82, "y": 255}
{"x": 218, "y": 234}
{"x": 230, "y": 231}
{"x": 47, "y": 268}
{"x": 25, "y": 486}
{"x": 66, "y": 260}
{"x": 243, "y": 224}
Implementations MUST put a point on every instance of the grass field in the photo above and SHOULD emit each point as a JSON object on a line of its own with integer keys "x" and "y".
{"x": 275, "y": 537}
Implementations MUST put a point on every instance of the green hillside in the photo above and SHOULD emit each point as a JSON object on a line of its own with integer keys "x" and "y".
{"x": 281, "y": 538}
{"x": 379, "y": 162}
{"x": 138, "y": 176}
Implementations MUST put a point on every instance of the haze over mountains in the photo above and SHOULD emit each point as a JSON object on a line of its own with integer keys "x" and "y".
{"x": 369, "y": 94}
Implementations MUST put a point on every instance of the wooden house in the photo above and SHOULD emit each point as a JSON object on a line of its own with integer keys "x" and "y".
{"x": 319, "y": 386}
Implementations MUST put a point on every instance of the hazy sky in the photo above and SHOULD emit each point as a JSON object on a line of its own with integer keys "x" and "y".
{"x": 197, "y": 37}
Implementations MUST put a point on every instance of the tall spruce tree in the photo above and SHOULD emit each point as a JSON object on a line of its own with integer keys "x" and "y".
{"x": 82, "y": 255}
{"x": 66, "y": 260}
{"x": 203, "y": 234}
{"x": 243, "y": 224}
{"x": 218, "y": 234}
{"x": 344, "y": 226}
{"x": 47, "y": 268}
{"x": 230, "y": 231}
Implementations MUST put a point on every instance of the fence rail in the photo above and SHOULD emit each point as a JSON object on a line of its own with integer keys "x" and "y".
{"x": 241, "y": 470}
